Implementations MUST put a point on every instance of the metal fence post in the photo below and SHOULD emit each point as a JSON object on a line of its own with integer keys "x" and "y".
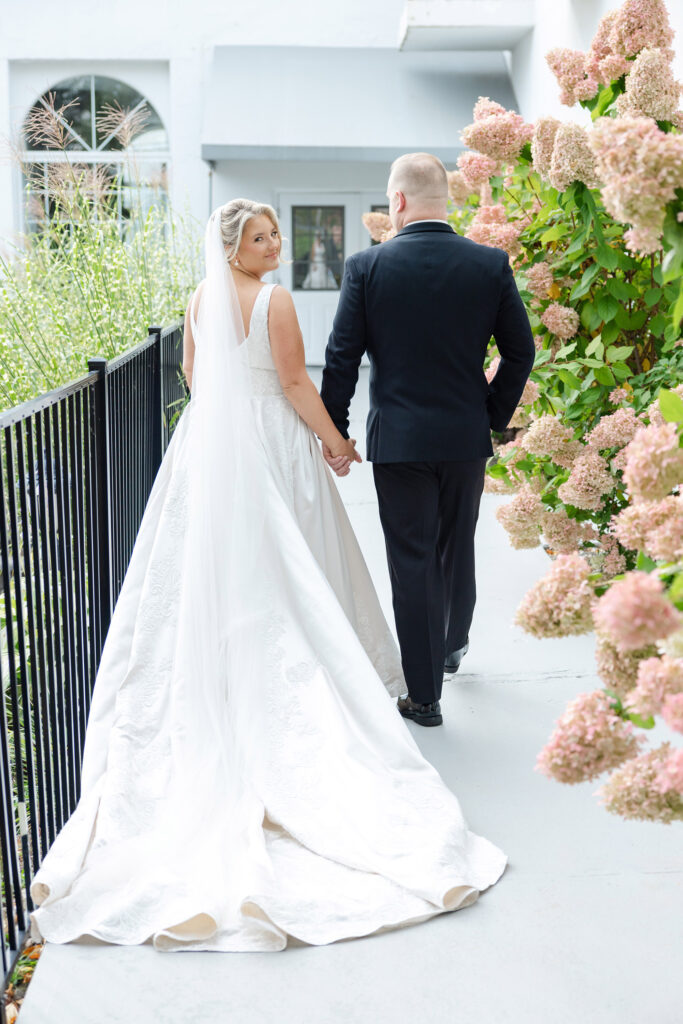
{"x": 157, "y": 392}
{"x": 100, "y": 452}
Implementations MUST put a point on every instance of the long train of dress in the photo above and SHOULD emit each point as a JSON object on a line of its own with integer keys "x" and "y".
{"x": 339, "y": 827}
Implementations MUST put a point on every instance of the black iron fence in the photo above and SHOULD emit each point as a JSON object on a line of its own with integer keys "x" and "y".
{"x": 76, "y": 469}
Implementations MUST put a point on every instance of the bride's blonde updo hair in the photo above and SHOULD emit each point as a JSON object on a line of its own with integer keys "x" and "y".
{"x": 234, "y": 217}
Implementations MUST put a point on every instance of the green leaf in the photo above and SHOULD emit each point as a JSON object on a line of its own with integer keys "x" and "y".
{"x": 607, "y": 257}
{"x": 604, "y": 376}
{"x": 644, "y": 563}
{"x": 671, "y": 406}
{"x": 607, "y": 306}
{"x": 569, "y": 378}
{"x": 652, "y": 296}
{"x": 565, "y": 351}
{"x": 642, "y": 723}
{"x": 633, "y": 322}
{"x": 619, "y": 289}
{"x": 587, "y": 314}
{"x": 497, "y": 470}
{"x": 554, "y": 233}
{"x": 582, "y": 286}
{"x": 596, "y": 347}
{"x": 615, "y": 352}
{"x": 621, "y": 371}
{"x": 658, "y": 325}
{"x": 610, "y": 333}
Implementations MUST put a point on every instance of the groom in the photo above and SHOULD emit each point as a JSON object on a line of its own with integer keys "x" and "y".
{"x": 424, "y": 306}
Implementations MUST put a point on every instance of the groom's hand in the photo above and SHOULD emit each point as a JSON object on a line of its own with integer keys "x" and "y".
{"x": 341, "y": 464}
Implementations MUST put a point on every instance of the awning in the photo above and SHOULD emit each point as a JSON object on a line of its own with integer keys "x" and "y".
{"x": 343, "y": 103}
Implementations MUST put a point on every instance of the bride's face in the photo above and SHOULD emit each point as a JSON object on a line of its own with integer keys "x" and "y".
{"x": 259, "y": 251}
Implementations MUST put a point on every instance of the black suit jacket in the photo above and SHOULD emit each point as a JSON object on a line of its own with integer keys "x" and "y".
{"x": 424, "y": 307}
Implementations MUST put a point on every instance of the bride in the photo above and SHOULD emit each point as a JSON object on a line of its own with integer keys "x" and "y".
{"x": 247, "y": 777}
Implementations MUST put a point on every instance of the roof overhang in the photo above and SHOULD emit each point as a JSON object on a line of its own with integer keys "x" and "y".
{"x": 465, "y": 24}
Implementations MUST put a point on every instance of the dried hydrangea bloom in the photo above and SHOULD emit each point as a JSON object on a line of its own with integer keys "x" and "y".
{"x": 614, "y": 430}
{"x": 539, "y": 279}
{"x": 496, "y": 132}
{"x": 559, "y": 604}
{"x": 641, "y": 168}
{"x": 657, "y": 678}
{"x": 562, "y": 321}
{"x": 548, "y": 436}
{"x": 477, "y": 169}
{"x": 665, "y": 543}
{"x": 377, "y": 224}
{"x": 618, "y": 670}
{"x": 572, "y": 159}
{"x": 521, "y": 519}
{"x": 639, "y": 24}
{"x": 459, "y": 190}
{"x": 490, "y": 226}
{"x": 542, "y": 143}
{"x": 563, "y": 534}
{"x": 635, "y": 789}
{"x": 670, "y": 775}
{"x": 612, "y": 559}
{"x": 672, "y": 713}
{"x": 651, "y": 89}
{"x": 602, "y": 63}
{"x": 654, "y": 463}
{"x": 589, "y": 480}
{"x": 618, "y": 395}
{"x": 588, "y": 739}
{"x": 635, "y": 612}
{"x": 569, "y": 68}
{"x": 636, "y": 522}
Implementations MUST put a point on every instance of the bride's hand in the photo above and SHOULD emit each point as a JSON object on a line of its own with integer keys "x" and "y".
{"x": 341, "y": 456}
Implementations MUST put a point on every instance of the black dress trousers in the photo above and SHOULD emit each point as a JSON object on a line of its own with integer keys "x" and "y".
{"x": 429, "y": 514}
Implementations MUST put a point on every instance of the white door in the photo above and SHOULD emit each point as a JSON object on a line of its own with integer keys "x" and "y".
{"x": 322, "y": 229}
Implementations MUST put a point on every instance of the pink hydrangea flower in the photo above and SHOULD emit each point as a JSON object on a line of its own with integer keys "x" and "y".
{"x": 562, "y": 321}
{"x": 636, "y": 789}
{"x": 569, "y": 68}
{"x": 618, "y": 670}
{"x": 559, "y": 604}
{"x": 459, "y": 189}
{"x": 601, "y": 61}
{"x": 670, "y": 776}
{"x": 539, "y": 278}
{"x": 614, "y": 430}
{"x": 496, "y": 132}
{"x": 490, "y": 226}
{"x": 618, "y": 395}
{"x": 657, "y": 679}
{"x": 639, "y": 24}
{"x": 562, "y": 534}
{"x": 672, "y": 713}
{"x": 588, "y": 739}
{"x": 651, "y": 89}
{"x": 612, "y": 560}
{"x": 377, "y": 224}
{"x": 477, "y": 169}
{"x": 636, "y": 612}
{"x": 654, "y": 463}
{"x": 588, "y": 481}
{"x": 653, "y": 411}
{"x": 548, "y": 436}
{"x": 641, "y": 167}
{"x": 543, "y": 143}
{"x": 521, "y": 518}
{"x": 635, "y": 524}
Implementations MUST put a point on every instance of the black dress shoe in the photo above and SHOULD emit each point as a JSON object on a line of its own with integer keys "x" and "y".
{"x": 423, "y": 714}
{"x": 452, "y": 663}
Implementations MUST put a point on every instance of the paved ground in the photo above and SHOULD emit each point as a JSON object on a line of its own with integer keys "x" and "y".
{"x": 583, "y": 928}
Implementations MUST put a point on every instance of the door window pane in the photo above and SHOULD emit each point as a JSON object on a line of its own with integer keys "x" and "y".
{"x": 318, "y": 247}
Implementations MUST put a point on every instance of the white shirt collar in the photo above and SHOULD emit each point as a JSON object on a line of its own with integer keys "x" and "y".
{"x": 430, "y": 220}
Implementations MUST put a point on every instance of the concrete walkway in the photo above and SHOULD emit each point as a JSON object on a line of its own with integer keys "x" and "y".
{"x": 583, "y": 928}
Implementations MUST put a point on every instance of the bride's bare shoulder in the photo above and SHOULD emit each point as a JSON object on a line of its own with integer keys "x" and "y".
{"x": 281, "y": 304}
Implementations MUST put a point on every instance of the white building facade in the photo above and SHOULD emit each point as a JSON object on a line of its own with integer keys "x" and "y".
{"x": 303, "y": 105}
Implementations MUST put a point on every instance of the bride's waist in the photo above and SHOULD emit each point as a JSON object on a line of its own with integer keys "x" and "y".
{"x": 265, "y": 383}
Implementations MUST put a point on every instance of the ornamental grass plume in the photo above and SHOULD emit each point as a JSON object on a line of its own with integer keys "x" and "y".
{"x": 490, "y": 226}
{"x": 589, "y": 738}
{"x": 672, "y": 712}
{"x": 377, "y": 224}
{"x": 635, "y": 524}
{"x": 618, "y": 670}
{"x": 670, "y": 775}
{"x": 635, "y": 612}
{"x": 653, "y": 463}
{"x": 641, "y": 168}
{"x": 588, "y": 481}
{"x": 641, "y": 788}
{"x": 542, "y": 144}
{"x": 563, "y": 534}
{"x": 559, "y": 604}
{"x": 562, "y": 321}
{"x": 539, "y": 279}
{"x": 651, "y": 89}
{"x": 496, "y": 132}
{"x": 658, "y": 678}
{"x": 569, "y": 68}
{"x": 459, "y": 189}
{"x": 477, "y": 169}
{"x": 521, "y": 518}
{"x": 615, "y": 430}
{"x": 572, "y": 159}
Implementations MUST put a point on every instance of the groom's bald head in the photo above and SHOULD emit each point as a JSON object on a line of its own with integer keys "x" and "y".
{"x": 417, "y": 189}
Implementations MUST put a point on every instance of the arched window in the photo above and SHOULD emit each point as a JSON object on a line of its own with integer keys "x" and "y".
{"x": 107, "y": 126}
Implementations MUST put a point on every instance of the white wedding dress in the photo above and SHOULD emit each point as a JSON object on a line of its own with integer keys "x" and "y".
{"x": 332, "y": 824}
